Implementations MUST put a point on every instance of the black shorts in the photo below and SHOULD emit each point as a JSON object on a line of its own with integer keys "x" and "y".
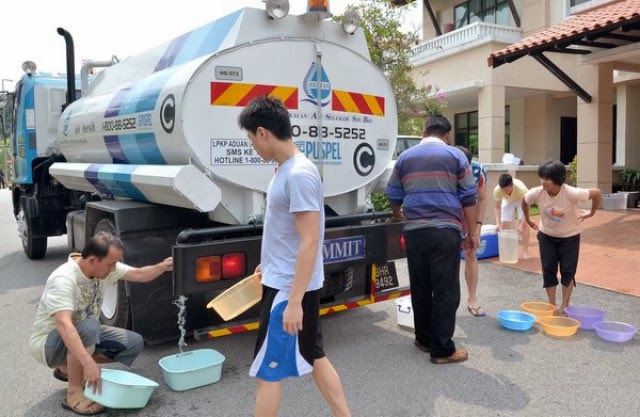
{"x": 559, "y": 253}
{"x": 279, "y": 355}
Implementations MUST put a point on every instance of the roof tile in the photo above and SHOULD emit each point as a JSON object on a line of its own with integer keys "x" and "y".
{"x": 607, "y": 15}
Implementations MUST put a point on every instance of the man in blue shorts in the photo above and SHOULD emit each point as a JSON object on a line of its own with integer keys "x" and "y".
{"x": 289, "y": 339}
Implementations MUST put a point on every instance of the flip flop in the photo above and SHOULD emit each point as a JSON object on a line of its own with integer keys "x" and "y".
{"x": 476, "y": 311}
{"x": 60, "y": 376}
{"x": 86, "y": 403}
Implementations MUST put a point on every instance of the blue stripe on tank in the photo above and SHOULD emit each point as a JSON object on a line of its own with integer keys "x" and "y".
{"x": 138, "y": 148}
{"x": 149, "y": 148}
{"x": 218, "y": 33}
{"x": 146, "y": 96}
{"x": 114, "y": 180}
{"x": 91, "y": 175}
{"x": 172, "y": 51}
{"x": 112, "y": 142}
{"x": 116, "y": 102}
{"x": 130, "y": 148}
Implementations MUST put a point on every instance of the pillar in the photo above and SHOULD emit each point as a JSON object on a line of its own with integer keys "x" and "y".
{"x": 491, "y": 102}
{"x": 595, "y": 127}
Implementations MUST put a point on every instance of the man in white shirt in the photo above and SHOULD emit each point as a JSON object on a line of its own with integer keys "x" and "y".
{"x": 67, "y": 331}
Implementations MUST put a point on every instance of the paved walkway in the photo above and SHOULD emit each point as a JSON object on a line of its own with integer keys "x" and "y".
{"x": 609, "y": 252}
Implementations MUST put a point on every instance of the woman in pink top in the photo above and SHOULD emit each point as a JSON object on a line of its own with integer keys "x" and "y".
{"x": 559, "y": 227}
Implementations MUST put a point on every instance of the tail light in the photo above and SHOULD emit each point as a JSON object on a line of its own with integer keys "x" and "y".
{"x": 233, "y": 265}
{"x": 214, "y": 268}
{"x": 208, "y": 269}
{"x": 403, "y": 245}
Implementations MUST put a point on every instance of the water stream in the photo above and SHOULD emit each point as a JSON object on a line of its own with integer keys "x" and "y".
{"x": 181, "y": 302}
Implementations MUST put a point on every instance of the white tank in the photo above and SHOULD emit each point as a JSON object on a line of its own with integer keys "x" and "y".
{"x": 162, "y": 126}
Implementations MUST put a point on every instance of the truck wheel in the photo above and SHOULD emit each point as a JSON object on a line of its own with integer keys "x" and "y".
{"x": 34, "y": 247}
{"x": 336, "y": 283}
{"x": 115, "y": 306}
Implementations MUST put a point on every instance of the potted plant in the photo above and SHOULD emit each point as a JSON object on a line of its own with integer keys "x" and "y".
{"x": 631, "y": 183}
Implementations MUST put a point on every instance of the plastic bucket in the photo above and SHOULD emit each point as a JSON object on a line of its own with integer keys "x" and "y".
{"x": 188, "y": 370}
{"x": 122, "y": 389}
{"x": 508, "y": 246}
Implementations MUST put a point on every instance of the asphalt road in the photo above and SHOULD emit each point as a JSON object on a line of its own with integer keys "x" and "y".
{"x": 508, "y": 373}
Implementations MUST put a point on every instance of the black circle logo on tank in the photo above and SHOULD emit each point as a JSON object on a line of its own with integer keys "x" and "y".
{"x": 364, "y": 159}
{"x": 168, "y": 113}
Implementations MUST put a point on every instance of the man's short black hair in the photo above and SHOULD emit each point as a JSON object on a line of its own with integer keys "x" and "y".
{"x": 269, "y": 113}
{"x": 505, "y": 180}
{"x": 99, "y": 244}
{"x": 553, "y": 170}
{"x": 437, "y": 126}
{"x": 466, "y": 153}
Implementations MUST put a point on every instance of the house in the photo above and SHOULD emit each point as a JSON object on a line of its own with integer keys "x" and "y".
{"x": 541, "y": 79}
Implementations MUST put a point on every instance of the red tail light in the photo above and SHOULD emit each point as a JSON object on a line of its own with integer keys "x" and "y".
{"x": 403, "y": 245}
{"x": 234, "y": 265}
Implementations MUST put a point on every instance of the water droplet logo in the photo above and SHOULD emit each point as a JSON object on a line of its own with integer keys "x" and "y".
{"x": 316, "y": 86}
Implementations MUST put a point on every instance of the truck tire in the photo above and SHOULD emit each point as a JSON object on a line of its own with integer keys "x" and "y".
{"x": 34, "y": 247}
{"x": 336, "y": 283}
{"x": 115, "y": 310}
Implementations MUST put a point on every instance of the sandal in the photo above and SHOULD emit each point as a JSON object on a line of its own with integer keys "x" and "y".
{"x": 476, "y": 311}
{"x": 60, "y": 376}
{"x": 83, "y": 406}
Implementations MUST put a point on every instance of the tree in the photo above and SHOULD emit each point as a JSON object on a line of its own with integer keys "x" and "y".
{"x": 390, "y": 50}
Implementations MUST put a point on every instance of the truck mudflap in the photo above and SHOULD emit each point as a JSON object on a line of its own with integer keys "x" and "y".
{"x": 383, "y": 281}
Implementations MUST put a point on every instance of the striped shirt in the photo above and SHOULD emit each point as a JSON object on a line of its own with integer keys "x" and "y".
{"x": 433, "y": 182}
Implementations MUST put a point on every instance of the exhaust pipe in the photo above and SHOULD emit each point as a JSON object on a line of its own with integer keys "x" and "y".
{"x": 71, "y": 70}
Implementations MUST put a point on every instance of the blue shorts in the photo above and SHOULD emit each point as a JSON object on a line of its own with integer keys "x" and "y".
{"x": 278, "y": 354}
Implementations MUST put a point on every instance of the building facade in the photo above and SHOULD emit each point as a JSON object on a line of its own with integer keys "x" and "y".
{"x": 541, "y": 79}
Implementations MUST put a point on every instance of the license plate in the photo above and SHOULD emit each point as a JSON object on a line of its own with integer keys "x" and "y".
{"x": 386, "y": 276}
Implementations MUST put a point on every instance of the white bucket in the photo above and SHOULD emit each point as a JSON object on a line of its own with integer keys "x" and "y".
{"x": 508, "y": 246}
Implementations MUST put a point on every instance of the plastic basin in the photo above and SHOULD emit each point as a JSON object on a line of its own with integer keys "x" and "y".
{"x": 193, "y": 369}
{"x": 559, "y": 326}
{"x": 516, "y": 320}
{"x": 585, "y": 315}
{"x": 614, "y": 331}
{"x": 239, "y": 298}
{"x": 538, "y": 309}
{"x": 122, "y": 389}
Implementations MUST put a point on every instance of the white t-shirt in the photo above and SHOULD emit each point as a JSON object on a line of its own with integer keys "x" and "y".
{"x": 296, "y": 187}
{"x": 558, "y": 214}
{"x": 67, "y": 288}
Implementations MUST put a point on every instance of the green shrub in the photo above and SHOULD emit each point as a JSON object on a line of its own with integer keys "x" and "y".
{"x": 380, "y": 202}
{"x": 631, "y": 179}
{"x": 573, "y": 171}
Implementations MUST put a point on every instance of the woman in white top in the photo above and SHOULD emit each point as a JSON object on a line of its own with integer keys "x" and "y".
{"x": 559, "y": 227}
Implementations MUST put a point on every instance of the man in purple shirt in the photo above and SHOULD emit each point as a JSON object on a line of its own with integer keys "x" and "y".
{"x": 432, "y": 189}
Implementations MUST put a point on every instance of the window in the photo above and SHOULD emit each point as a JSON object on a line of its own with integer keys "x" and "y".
{"x": 466, "y": 130}
{"x": 490, "y": 11}
{"x": 577, "y": 2}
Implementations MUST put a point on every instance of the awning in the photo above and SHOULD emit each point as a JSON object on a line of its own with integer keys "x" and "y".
{"x": 610, "y": 26}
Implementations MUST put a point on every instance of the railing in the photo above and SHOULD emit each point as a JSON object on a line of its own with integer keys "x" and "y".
{"x": 466, "y": 37}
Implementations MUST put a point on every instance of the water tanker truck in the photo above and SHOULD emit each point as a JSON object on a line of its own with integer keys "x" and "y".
{"x": 151, "y": 151}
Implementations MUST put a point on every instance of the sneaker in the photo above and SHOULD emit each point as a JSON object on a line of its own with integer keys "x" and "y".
{"x": 424, "y": 348}
{"x": 460, "y": 355}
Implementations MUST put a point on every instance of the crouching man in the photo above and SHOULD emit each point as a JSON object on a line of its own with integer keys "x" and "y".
{"x": 67, "y": 335}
